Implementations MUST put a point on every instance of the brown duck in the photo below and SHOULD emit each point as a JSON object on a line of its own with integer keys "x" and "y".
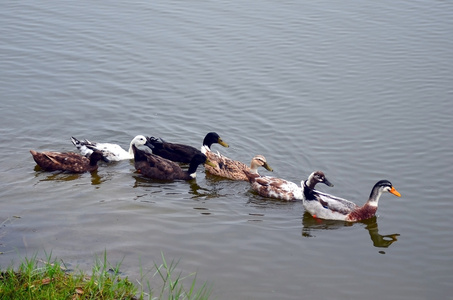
{"x": 233, "y": 169}
{"x": 66, "y": 161}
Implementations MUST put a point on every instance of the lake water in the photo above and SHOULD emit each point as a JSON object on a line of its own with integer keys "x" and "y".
{"x": 361, "y": 90}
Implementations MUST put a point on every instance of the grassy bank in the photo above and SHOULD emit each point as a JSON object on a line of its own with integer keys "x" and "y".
{"x": 50, "y": 279}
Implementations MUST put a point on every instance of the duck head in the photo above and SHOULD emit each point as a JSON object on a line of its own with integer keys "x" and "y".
{"x": 260, "y": 161}
{"x": 317, "y": 177}
{"x": 383, "y": 186}
{"x": 141, "y": 140}
{"x": 213, "y": 137}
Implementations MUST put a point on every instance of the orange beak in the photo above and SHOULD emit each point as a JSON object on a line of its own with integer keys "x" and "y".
{"x": 395, "y": 192}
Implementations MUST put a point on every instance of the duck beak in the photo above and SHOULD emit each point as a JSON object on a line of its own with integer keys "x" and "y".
{"x": 394, "y": 192}
{"x": 221, "y": 142}
{"x": 327, "y": 182}
{"x": 267, "y": 167}
{"x": 208, "y": 162}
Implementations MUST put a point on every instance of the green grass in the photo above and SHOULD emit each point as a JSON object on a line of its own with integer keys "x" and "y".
{"x": 50, "y": 279}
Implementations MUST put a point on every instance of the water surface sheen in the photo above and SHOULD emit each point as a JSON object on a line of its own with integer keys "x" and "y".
{"x": 361, "y": 90}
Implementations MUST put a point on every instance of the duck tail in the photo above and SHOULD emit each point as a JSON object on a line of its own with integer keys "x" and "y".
{"x": 76, "y": 142}
{"x": 156, "y": 142}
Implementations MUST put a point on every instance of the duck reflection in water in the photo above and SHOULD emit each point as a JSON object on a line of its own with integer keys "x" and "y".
{"x": 201, "y": 192}
{"x": 311, "y": 224}
{"x": 96, "y": 179}
{"x": 55, "y": 176}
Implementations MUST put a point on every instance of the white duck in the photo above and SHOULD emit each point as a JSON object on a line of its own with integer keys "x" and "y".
{"x": 111, "y": 152}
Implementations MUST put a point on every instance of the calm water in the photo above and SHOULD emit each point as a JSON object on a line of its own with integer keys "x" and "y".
{"x": 361, "y": 90}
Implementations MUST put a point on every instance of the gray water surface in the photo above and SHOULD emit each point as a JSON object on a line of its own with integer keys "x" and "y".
{"x": 361, "y": 90}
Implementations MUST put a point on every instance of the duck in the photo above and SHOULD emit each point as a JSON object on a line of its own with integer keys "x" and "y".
{"x": 234, "y": 170}
{"x": 67, "y": 161}
{"x": 325, "y": 206}
{"x": 111, "y": 152}
{"x": 156, "y": 167}
{"x": 278, "y": 188}
{"x": 183, "y": 153}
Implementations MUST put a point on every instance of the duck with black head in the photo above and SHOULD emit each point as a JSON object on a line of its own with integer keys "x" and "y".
{"x": 157, "y": 167}
{"x": 183, "y": 153}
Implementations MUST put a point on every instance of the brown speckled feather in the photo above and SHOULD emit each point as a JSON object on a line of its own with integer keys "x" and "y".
{"x": 273, "y": 187}
{"x": 226, "y": 167}
{"x": 232, "y": 169}
{"x": 160, "y": 168}
{"x": 67, "y": 161}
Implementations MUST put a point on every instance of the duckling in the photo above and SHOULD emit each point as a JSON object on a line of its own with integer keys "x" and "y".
{"x": 325, "y": 206}
{"x": 157, "y": 167}
{"x": 273, "y": 187}
{"x": 183, "y": 153}
{"x": 232, "y": 169}
{"x": 111, "y": 152}
{"x": 67, "y": 161}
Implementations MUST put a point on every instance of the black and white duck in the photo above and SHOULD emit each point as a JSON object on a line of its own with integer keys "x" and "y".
{"x": 325, "y": 206}
{"x": 111, "y": 152}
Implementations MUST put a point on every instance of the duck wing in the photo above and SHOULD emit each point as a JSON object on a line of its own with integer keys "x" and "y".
{"x": 57, "y": 161}
{"x": 60, "y": 158}
{"x": 154, "y": 166}
{"x": 276, "y": 183}
{"x": 333, "y": 203}
{"x": 226, "y": 167}
{"x": 111, "y": 152}
{"x": 162, "y": 164}
{"x": 174, "y": 152}
{"x": 277, "y": 188}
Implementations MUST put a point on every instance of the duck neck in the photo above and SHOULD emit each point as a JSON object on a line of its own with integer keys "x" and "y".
{"x": 192, "y": 171}
{"x": 311, "y": 182}
{"x": 137, "y": 153}
{"x": 205, "y": 149}
{"x": 207, "y": 142}
{"x": 131, "y": 150}
{"x": 253, "y": 168}
{"x": 94, "y": 160}
{"x": 375, "y": 194}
